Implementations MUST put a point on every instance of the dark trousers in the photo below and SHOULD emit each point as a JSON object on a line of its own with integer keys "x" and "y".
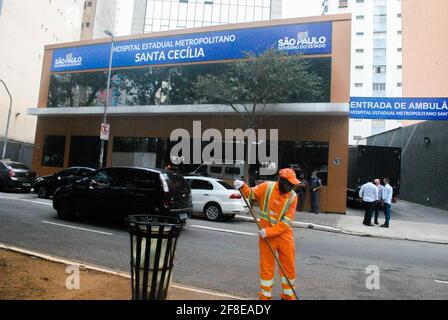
{"x": 301, "y": 200}
{"x": 377, "y": 208}
{"x": 315, "y": 201}
{"x": 369, "y": 212}
{"x": 387, "y": 213}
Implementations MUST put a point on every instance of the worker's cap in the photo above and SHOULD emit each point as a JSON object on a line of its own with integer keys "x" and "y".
{"x": 289, "y": 175}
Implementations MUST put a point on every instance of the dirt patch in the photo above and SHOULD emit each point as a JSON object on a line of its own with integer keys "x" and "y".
{"x": 29, "y": 278}
{"x": 24, "y": 277}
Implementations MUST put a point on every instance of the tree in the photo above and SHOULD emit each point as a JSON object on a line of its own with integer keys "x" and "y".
{"x": 247, "y": 86}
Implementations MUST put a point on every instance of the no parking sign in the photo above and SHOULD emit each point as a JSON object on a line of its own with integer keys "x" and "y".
{"x": 105, "y": 130}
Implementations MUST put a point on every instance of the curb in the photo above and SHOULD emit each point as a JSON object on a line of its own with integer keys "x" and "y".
{"x": 312, "y": 226}
{"x": 87, "y": 266}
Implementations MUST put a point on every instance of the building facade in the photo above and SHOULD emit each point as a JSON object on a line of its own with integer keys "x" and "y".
{"x": 162, "y": 15}
{"x": 98, "y": 16}
{"x": 376, "y": 69}
{"x": 423, "y": 143}
{"x": 23, "y": 34}
{"x": 152, "y": 96}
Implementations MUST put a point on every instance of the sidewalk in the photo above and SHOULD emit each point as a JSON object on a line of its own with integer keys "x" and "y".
{"x": 31, "y": 277}
{"x": 409, "y": 221}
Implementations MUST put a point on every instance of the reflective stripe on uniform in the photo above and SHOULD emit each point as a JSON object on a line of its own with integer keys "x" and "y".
{"x": 264, "y": 216}
{"x": 267, "y": 197}
{"x": 267, "y": 294}
{"x": 285, "y": 281}
{"x": 266, "y": 283}
{"x": 251, "y": 195}
{"x": 288, "y": 292}
{"x": 287, "y": 221}
{"x": 287, "y": 205}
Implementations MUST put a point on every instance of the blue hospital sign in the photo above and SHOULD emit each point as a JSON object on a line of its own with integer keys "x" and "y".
{"x": 399, "y": 108}
{"x": 306, "y": 39}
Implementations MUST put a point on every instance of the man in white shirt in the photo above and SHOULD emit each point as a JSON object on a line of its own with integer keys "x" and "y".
{"x": 377, "y": 183}
{"x": 387, "y": 195}
{"x": 369, "y": 195}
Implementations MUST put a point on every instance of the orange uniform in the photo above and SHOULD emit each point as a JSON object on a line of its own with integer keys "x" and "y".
{"x": 277, "y": 212}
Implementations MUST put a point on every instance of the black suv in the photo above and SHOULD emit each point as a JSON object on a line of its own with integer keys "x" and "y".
{"x": 15, "y": 175}
{"x": 45, "y": 186}
{"x": 121, "y": 191}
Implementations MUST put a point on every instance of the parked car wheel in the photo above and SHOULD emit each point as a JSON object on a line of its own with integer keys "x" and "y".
{"x": 65, "y": 211}
{"x": 42, "y": 192}
{"x": 212, "y": 212}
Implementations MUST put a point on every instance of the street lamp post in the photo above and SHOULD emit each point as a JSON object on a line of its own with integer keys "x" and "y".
{"x": 5, "y": 140}
{"x": 103, "y": 144}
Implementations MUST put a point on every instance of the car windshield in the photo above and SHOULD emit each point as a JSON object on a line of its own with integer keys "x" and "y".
{"x": 226, "y": 185}
{"x": 16, "y": 165}
{"x": 176, "y": 182}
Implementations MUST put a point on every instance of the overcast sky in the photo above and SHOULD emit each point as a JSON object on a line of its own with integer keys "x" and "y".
{"x": 291, "y": 9}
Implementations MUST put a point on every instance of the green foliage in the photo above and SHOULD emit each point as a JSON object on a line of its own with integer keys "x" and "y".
{"x": 249, "y": 85}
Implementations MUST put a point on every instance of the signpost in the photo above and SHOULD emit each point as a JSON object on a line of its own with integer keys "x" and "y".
{"x": 105, "y": 131}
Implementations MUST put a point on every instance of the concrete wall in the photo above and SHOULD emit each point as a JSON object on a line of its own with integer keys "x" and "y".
{"x": 19, "y": 151}
{"x": 26, "y": 26}
{"x": 423, "y": 166}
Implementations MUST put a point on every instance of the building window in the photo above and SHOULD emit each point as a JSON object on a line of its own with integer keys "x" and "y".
{"x": 399, "y": 15}
{"x": 359, "y": 33}
{"x": 379, "y": 35}
{"x": 358, "y": 85}
{"x": 359, "y": 67}
{"x": 381, "y": 52}
{"x": 399, "y": 50}
{"x": 399, "y": 84}
{"x": 53, "y": 151}
{"x": 379, "y": 69}
{"x": 359, "y": 17}
{"x": 359, "y": 50}
{"x": 399, "y": 32}
{"x": 343, "y": 3}
{"x": 359, "y": 1}
{"x": 379, "y": 86}
{"x": 380, "y": 19}
{"x": 399, "y": 67}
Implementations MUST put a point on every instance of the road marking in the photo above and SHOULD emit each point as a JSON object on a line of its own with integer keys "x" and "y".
{"x": 78, "y": 228}
{"x": 108, "y": 271}
{"x": 224, "y": 230}
{"x": 26, "y": 200}
{"x": 440, "y": 281}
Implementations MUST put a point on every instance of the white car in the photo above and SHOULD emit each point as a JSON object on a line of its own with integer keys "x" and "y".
{"x": 215, "y": 198}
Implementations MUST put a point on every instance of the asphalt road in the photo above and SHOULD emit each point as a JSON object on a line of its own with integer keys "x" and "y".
{"x": 224, "y": 256}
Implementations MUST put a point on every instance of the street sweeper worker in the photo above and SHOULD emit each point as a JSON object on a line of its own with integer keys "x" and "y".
{"x": 278, "y": 203}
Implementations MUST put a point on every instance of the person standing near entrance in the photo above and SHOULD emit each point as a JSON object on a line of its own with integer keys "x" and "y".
{"x": 278, "y": 203}
{"x": 387, "y": 194}
{"x": 301, "y": 191}
{"x": 379, "y": 200}
{"x": 315, "y": 186}
{"x": 369, "y": 194}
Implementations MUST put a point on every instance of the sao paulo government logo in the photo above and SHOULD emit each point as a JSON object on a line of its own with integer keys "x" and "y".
{"x": 302, "y": 42}
{"x": 68, "y": 61}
